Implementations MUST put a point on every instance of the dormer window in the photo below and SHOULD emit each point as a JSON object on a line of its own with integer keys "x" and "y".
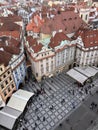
{"x": 73, "y": 27}
{"x": 65, "y": 29}
{"x": 70, "y": 18}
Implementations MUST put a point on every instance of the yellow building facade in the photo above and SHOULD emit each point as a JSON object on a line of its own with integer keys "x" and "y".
{"x": 7, "y": 84}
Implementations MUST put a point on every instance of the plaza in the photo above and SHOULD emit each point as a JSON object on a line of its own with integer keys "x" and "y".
{"x": 49, "y": 109}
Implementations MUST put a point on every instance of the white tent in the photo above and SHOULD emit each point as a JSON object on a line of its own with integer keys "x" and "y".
{"x": 8, "y": 117}
{"x": 81, "y": 74}
{"x": 87, "y": 71}
{"x": 77, "y": 76}
{"x": 15, "y": 107}
{"x": 19, "y": 99}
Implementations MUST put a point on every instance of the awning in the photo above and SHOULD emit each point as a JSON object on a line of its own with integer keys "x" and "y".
{"x": 87, "y": 71}
{"x": 81, "y": 74}
{"x": 8, "y": 117}
{"x": 14, "y": 108}
{"x": 77, "y": 76}
{"x": 19, "y": 99}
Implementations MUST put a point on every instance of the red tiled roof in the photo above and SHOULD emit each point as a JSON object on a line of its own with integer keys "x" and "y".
{"x": 5, "y": 57}
{"x": 10, "y": 49}
{"x": 35, "y": 25}
{"x": 68, "y": 21}
{"x": 10, "y": 41}
{"x": 89, "y": 37}
{"x": 56, "y": 40}
{"x": 15, "y": 34}
{"x": 34, "y": 44}
{"x": 10, "y": 26}
{"x": 11, "y": 18}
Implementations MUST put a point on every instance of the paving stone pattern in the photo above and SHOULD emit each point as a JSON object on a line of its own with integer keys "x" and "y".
{"x": 48, "y": 110}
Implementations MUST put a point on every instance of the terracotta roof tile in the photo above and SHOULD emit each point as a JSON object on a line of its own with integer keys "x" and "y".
{"x": 34, "y": 44}
{"x": 9, "y": 41}
{"x": 14, "y": 34}
{"x": 5, "y": 57}
{"x": 10, "y": 49}
{"x": 56, "y": 40}
{"x": 68, "y": 21}
{"x": 10, "y": 26}
{"x": 35, "y": 25}
{"x": 89, "y": 37}
{"x": 10, "y": 18}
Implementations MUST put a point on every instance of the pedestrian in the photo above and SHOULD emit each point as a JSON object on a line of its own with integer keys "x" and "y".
{"x": 86, "y": 91}
{"x": 60, "y": 124}
{"x": 73, "y": 105}
{"x": 44, "y": 118}
{"x": 35, "y": 124}
{"x": 73, "y": 92}
{"x": 62, "y": 101}
{"x": 36, "y": 109}
{"x": 91, "y": 121}
{"x": 38, "y": 118}
{"x": 50, "y": 89}
{"x": 41, "y": 105}
{"x": 90, "y": 93}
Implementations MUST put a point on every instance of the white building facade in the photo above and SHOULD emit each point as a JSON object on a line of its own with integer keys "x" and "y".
{"x": 87, "y": 48}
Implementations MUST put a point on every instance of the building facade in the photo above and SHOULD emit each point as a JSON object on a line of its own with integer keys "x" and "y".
{"x": 18, "y": 66}
{"x": 87, "y": 47}
{"x": 7, "y": 84}
{"x": 57, "y": 56}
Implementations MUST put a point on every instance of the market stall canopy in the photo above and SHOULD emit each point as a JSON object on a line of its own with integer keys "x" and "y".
{"x": 77, "y": 76}
{"x": 15, "y": 107}
{"x": 81, "y": 74}
{"x": 8, "y": 117}
{"x": 87, "y": 71}
{"x": 19, "y": 99}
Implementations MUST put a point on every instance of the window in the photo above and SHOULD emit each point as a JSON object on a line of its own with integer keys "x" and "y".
{"x": 70, "y": 18}
{"x": 4, "y": 76}
{"x": 12, "y": 85}
{"x": 46, "y": 64}
{"x": 5, "y": 93}
{"x": 73, "y": 27}
{"x": 10, "y": 78}
{"x": 65, "y": 29}
{"x": 6, "y": 82}
{"x": 1, "y": 69}
{"x": 8, "y": 72}
{"x": 9, "y": 89}
{"x": 2, "y": 86}
{"x": 47, "y": 69}
{"x": 86, "y": 17}
{"x": 75, "y": 17}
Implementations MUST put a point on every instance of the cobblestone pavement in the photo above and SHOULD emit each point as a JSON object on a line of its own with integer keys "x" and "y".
{"x": 60, "y": 99}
